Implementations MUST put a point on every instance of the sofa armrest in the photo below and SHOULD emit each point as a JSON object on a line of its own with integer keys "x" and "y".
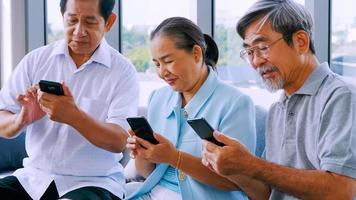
{"x": 12, "y": 152}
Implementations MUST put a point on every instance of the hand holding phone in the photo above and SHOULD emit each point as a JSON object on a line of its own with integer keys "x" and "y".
{"x": 204, "y": 130}
{"x": 51, "y": 87}
{"x": 142, "y": 128}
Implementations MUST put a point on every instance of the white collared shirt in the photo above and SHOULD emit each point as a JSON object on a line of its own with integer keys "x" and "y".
{"x": 105, "y": 87}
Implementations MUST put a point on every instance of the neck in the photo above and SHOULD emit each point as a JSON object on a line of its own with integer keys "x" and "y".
{"x": 80, "y": 59}
{"x": 188, "y": 95}
{"x": 301, "y": 74}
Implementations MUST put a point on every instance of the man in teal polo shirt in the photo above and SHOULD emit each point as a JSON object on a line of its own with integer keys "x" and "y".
{"x": 311, "y": 133}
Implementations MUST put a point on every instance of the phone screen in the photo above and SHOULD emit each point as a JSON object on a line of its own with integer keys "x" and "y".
{"x": 204, "y": 130}
{"x": 142, "y": 128}
{"x": 51, "y": 87}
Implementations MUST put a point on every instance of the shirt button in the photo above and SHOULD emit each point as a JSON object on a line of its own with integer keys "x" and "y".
{"x": 181, "y": 175}
{"x": 185, "y": 114}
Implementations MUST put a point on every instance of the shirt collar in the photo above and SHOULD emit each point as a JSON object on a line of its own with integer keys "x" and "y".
{"x": 198, "y": 100}
{"x": 101, "y": 54}
{"x": 313, "y": 82}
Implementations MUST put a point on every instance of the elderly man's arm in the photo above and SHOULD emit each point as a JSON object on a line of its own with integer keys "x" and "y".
{"x": 108, "y": 136}
{"x": 9, "y": 125}
{"x": 303, "y": 184}
{"x": 255, "y": 190}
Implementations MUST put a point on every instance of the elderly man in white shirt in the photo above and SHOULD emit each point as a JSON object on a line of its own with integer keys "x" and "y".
{"x": 74, "y": 141}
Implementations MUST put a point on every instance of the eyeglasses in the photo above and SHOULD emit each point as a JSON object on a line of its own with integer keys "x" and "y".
{"x": 261, "y": 51}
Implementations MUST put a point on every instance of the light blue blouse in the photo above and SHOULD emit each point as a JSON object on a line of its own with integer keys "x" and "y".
{"x": 223, "y": 106}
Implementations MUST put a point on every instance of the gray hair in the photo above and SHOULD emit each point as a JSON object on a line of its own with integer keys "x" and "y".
{"x": 285, "y": 17}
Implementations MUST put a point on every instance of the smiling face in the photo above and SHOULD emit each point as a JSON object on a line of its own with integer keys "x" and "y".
{"x": 84, "y": 26}
{"x": 183, "y": 71}
{"x": 277, "y": 67}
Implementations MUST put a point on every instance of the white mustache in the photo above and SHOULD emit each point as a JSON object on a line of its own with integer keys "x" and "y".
{"x": 263, "y": 69}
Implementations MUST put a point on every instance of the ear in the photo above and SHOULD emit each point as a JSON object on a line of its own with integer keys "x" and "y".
{"x": 198, "y": 53}
{"x": 110, "y": 22}
{"x": 301, "y": 41}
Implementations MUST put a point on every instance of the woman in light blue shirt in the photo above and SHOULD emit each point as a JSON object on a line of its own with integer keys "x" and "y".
{"x": 185, "y": 58}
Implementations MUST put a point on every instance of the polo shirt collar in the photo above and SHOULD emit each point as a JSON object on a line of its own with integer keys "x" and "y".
{"x": 198, "y": 100}
{"x": 101, "y": 54}
{"x": 313, "y": 82}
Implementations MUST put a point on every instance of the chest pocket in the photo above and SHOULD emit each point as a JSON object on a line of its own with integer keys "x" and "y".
{"x": 93, "y": 107}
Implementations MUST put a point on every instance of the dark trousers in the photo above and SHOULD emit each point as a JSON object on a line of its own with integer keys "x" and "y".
{"x": 10, "y": 189}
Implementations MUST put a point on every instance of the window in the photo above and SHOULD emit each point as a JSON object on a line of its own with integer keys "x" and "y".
{"x": 139, "y": 18}
{"x": 343, "y": 38}
{"x": 230, "y": 66}
{"x": 54, "y": 28}
{"x": 1, "y": 11}
{"x": 6, "y": 37}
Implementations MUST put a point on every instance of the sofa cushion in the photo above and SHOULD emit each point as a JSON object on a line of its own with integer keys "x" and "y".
{"x": 12, "y": 152}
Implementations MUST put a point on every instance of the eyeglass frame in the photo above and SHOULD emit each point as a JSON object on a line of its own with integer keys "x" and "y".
{"x": 256, "y": 49}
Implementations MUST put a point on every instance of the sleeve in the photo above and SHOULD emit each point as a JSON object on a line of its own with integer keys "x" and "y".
{"x": 125, "y": 100}
{"x": 17, "y": 84}
{"x": 239, "y": 122}
{"x": 337, "y": 136}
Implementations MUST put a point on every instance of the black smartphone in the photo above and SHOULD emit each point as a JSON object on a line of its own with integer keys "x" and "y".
{"x": 51, "y": 87}
{"x": 204, "y": 130}
{"x": 142, "y": 128}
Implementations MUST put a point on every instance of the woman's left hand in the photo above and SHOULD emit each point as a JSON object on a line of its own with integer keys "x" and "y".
{"x": 163, "y": 152}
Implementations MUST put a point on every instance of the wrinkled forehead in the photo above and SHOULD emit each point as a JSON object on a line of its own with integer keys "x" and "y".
{"x": 258, "y": 32}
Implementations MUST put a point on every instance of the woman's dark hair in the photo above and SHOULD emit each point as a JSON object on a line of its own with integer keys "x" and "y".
{"x": 106, "y": 7}
{"x": 185, "y": 35}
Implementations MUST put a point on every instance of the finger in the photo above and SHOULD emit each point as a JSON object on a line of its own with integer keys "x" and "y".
{"x": 132, "y": 155}
{"x": 209, "y": 146}
{"x": 144, "y": 143}
{"x": 66, "y": 89}
{"x": 46, "y": 110}
{"x": 46, "y": 106}
{"x": 229, "y": 141}
{"x": 207, "y": 164}
{"x": 37, "y": 87}
{"x": 160, "y": 138}
{"x": 209, "y": 157}
{"x": 21, "y": 99}
{"x": 27, "y": 93}
{"x": 43, "y": 102}
{"x": 131, "y": 146}
{"x": 140, "y": 151}
{"x": 204, "y": 162}
{"x": 39, "y": 94}
{"x": 131, "y": 132}
{"x": 43, "y": 96}
{"x": 210, "y": 166}
{"x": 33, "y": 89}
{"x": 32, "y": 94}
{"x": 131, "y": 140}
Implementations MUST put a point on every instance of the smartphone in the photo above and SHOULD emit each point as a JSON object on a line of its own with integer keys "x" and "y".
{"x": 204, "y": 130}
{"x": 142, "y": 128}
{"x": 51, "y": 87}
